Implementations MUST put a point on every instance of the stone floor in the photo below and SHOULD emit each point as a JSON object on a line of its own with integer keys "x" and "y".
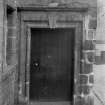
{"x": 49, "y": 103}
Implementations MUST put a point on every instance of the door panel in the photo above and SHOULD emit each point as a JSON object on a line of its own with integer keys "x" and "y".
{"x": 51, "y": 67}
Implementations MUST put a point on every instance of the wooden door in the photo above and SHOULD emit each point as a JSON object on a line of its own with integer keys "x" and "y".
{"x": 52, "y": 64}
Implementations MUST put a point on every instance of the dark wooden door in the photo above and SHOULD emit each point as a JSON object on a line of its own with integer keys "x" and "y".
{"x": 51, "y": 67}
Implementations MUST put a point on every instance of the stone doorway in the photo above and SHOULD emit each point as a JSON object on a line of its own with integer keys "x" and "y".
{"x": 43, "y": 23}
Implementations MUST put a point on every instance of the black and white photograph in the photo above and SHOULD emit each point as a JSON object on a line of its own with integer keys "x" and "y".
{"x": 52, "y": 52}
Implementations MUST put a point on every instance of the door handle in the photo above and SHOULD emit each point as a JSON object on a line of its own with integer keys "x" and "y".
{"x": 36, "y": 64}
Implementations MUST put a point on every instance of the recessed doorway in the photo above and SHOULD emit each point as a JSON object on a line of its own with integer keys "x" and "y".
{"x": 52, "y": 65}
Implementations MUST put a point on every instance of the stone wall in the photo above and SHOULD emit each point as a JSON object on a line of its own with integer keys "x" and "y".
{"x": 8, "y": 38}
{"x": 86, "y": 80}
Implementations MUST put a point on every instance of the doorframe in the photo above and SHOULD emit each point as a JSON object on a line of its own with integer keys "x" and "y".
{"x": 77, "y": 52}
{"x": 38, "y": 18}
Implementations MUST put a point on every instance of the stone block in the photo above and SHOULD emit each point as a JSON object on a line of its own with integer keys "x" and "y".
{"x": 91, "y": 79}
{"x": 11, "y": 43}
{"x": 83, "y": 79}
{"x": 91, "y": 35}
{"x": 86, "y": 68}
{"x": 92, "y": 24}
{"x": 79, "y": 100}
{"x": 88, "y": 45}
{"x": 12, "y": 31}
{"x": 84, "y": 89}
{"x": 85, "y": 100}
{"x": 89, "y": 100}
{"x": 90, "y": 56}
